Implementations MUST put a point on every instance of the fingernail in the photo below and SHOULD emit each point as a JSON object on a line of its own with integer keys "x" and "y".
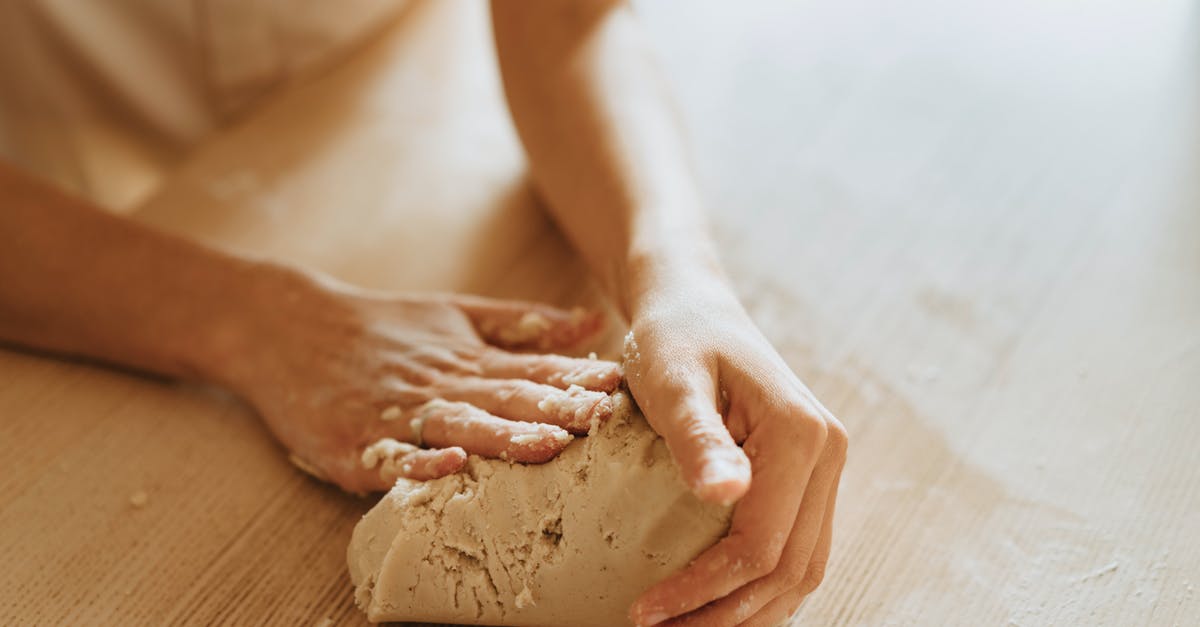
{"x": 722, "y": 471}
{"x": 653, "y": 618}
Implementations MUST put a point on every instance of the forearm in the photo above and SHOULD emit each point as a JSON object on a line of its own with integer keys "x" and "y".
{"x": 604, "y": 144}
{"x": 606, "y": 153}
{"x": 76, "y": 280}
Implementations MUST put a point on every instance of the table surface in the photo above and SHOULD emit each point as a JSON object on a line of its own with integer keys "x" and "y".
{"x": 973, "y": 230}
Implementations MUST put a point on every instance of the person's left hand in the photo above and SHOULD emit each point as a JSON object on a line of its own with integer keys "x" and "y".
{"x": 728, "y": 407}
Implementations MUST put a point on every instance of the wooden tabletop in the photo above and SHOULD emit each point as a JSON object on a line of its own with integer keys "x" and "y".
{"x": 972, "y": 228}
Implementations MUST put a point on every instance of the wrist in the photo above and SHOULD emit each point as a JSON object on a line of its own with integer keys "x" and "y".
{"x": 234, "y": 328}
{"x": 671, "y": 275}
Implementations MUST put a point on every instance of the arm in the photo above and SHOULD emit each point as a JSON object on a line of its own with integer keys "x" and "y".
{"x": 77, "y": 280}
{"x": 606, "y": 152}
{"x": 334, "y": 371}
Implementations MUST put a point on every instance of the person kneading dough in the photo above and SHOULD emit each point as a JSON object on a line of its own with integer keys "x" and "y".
{"x": 716, "y": 508}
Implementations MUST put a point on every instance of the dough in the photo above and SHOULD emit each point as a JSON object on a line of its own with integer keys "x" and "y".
{"x": 570, "y": 542}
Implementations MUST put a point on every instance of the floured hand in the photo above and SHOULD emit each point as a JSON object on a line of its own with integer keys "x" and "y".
{"x": 742, "y": 428}
{"x": 364, "y": 387}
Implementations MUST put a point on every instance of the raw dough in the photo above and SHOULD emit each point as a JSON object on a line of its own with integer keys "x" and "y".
{"x": 570, "y": 542}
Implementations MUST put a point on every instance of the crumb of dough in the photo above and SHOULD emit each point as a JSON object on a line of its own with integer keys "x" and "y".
{"x": 532, "y": 323}
{"x": 382, "y": 450}
{"x": 558, "y": 435}
{"x": 524, "y": 598}
{"x": 572, "y": 401}
{"x": 525, "y": 438}
{"x": 630, "y": 351}
{"x": 630, "y": 356}
{"x": 139, "y": 499}
{"x": 391, "y": 413}
{"x": 388, "y": 455}
{"x": 529, "y": 327}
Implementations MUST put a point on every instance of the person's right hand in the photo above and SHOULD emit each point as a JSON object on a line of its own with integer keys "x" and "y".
{"x": 364, "y": 387}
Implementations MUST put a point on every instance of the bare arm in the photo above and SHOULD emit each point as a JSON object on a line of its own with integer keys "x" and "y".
{"x": 333, "y": 370}
{"x": 77, "y": 280}
{"x": 606, "y": 152}
{"x": 604, "y": 141}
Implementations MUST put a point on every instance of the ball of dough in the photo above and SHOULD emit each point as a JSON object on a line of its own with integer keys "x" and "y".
{"x": 570, "y": 542}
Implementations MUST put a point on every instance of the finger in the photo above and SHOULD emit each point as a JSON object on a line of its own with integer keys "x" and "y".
{"x": 430, "y": 463}
{"x": 379, "y": 465}
{"x": 683, "y": 410}
{"x": 393, "y": 459}
{"x": 556, "y": 370}
{"x": 519, "y": 324}
{"x": 777, "y": 611}
{"x": 444, "y": 424}
{"x": 574, "y": 409}
{"x": 802, "y": 565}
{"x": 783, "y": 452}
{"x": 815, "y": 573}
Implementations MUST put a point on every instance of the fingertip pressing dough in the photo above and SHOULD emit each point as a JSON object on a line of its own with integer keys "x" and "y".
{"x": 570, "y": 542}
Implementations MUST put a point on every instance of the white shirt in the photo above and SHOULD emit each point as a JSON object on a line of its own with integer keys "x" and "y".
{"x": 103, "y": 97}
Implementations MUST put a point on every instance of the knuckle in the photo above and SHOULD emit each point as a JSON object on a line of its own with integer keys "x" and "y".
{"x": 793, "y": 605}
{"x": 813, "y": 576}
{"x": 803, "y": 409}
{"x": 474, "y": 354}
{"x": 421, "y": 375}
{"x": 817, "y": 430}
{"x": 809, "y": 428}
{"x": 403, "y": 394}
{"x": 505, "y": 394}
{"x": 534, "y": 368}
{"x": 789, "y": 578}
{"x": 765, "y": 559}
{"x": 836, "y": 439}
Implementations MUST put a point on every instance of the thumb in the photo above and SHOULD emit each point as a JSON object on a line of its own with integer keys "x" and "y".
{"x": 683, "y": 411}
{"x": 526, "y": 325}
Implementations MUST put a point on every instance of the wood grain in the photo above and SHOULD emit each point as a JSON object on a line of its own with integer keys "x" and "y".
{"x": 972, "y": 229}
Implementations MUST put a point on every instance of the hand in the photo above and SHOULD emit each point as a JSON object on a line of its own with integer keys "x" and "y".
{"x": 691, "y": 359}
{"x": 354, "y": 383}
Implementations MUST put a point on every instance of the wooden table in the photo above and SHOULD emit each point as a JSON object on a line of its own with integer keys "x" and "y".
{"x": 972, "y": 228}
